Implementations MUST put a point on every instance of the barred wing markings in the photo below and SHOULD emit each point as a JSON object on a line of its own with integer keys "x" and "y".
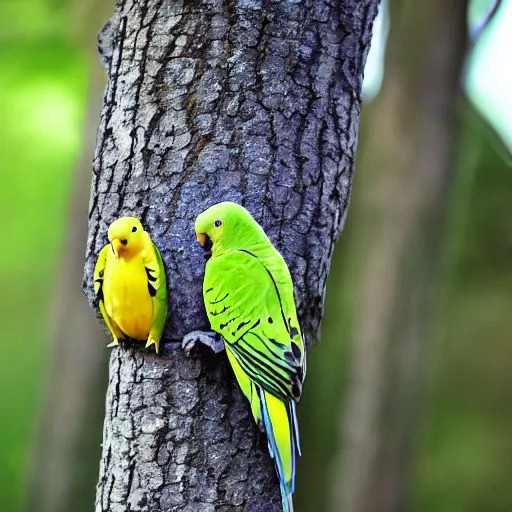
{"x": 244, "y": 305}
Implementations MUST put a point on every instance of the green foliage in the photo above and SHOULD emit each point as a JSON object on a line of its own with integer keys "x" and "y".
{"x": 33, "y": 20}
{"x": 42, "y": 92}
{"x": 466, "y": 446}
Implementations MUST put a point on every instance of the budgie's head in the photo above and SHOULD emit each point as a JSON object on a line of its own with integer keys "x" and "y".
{"x": 226, "y": 226}
{"x": 126, "y": 236}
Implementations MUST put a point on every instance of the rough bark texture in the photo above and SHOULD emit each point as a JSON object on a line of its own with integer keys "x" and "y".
{"x": 405, "y": 180}
{"x": 252, "y": 101}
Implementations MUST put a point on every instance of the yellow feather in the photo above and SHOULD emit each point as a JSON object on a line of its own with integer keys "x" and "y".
{"x": 247, "y": 386}
{"x": 278, "y": 414}
{"x": 127, "y": 300}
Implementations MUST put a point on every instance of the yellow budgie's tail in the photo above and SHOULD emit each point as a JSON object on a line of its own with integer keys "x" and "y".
{"x": 280, "y": 422}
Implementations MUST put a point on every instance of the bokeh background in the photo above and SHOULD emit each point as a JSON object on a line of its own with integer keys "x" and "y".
{"x": 451, "y": 424}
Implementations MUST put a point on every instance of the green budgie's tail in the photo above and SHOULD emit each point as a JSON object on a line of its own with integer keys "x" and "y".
{"x": 280, "y": 421}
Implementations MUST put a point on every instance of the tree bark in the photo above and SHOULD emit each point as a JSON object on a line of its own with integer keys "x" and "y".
{"x": 246, "y": 100}
{"x": 406, "y": 172}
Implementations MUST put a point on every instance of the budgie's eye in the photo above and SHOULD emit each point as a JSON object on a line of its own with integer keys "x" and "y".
{"x": 217, "y": 223}
{"x": 134, "y": 229}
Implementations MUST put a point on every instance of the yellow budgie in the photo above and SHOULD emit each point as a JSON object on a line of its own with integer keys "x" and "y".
{"x": 129, "y": 282}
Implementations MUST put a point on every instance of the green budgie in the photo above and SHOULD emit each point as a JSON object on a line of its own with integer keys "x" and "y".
{"x": 248, "y": 294}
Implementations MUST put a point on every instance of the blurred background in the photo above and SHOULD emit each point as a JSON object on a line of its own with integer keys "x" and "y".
{"x": 408, "y": 403}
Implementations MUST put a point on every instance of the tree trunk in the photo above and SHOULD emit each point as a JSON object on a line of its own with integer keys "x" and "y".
{"x": 406, "y": 172}
{"x": 252, "y": 101}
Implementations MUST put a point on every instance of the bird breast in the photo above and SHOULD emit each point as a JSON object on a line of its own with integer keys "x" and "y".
{"x": 127, "y": 298}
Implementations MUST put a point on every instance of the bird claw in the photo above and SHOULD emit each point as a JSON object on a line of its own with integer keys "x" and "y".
{"x": 150, "y": 342}
{"x": 210, "y": 339}
{"x": 114, "y": 343}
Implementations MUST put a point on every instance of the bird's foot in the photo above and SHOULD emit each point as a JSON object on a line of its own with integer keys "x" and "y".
{"x": 114, "y": 343}
{"x": 152, "y": 341}
{"x": 209, "y": 338}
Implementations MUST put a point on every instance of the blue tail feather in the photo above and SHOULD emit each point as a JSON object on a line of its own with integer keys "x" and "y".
{"x": 287, "y": 489}
{"x": 287, "y": 502}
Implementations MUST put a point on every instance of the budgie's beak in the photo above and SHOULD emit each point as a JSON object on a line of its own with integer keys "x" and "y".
{"x": 116, "y": 245}
{"x": 206, "y": 243}
{"x": 201, "y": 238}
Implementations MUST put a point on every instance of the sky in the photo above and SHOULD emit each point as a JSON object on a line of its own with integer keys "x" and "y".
{"x": 488, "y": 80}
{"x": 489, "y": 76}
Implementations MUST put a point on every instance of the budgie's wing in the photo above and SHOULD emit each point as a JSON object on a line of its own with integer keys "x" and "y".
{"x": 248, "y": 387}
{"x": 157, "y": 288}
{"x": 99, "y": 276}
{"x": 257, "y": 318}
{"x": 99, "y": 272}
